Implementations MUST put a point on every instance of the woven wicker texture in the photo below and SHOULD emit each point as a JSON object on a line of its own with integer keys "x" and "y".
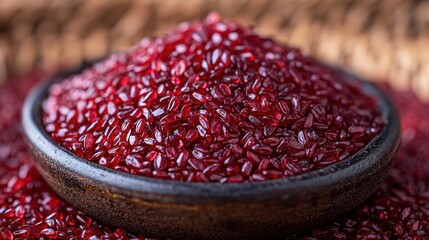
{"x": 379, "y": 39}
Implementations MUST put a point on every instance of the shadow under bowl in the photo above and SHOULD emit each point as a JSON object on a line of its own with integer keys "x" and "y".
{"x": 164, "y": 208}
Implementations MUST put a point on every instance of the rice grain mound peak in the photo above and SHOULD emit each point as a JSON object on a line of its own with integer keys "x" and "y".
{"x": 211, "y": 102}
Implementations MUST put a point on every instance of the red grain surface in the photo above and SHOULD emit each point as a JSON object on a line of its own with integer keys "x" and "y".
{"x": 211, "y": 102}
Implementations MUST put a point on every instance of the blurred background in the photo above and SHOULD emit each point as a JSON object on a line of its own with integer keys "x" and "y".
{"x": 382, "y": 40}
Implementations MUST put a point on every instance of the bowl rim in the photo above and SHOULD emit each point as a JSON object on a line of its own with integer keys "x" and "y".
{"x": 134, "y": 186}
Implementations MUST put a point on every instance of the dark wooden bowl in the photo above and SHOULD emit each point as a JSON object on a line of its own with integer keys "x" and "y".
{"x": 165, "y": 208}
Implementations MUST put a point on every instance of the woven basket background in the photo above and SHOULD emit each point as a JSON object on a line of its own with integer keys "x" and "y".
{"x": 383, "y": 40}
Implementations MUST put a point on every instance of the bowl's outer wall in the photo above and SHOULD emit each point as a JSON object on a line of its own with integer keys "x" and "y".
{"x": 212, "y": 211}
